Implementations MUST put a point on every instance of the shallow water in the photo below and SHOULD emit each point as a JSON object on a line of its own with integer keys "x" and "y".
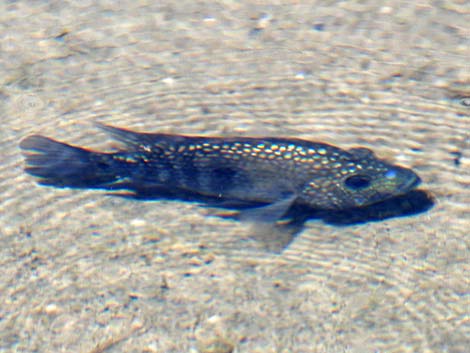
{"x": 83, "y": 271}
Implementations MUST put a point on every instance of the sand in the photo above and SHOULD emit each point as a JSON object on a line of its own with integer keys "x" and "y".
{"x": 87, "y": 272}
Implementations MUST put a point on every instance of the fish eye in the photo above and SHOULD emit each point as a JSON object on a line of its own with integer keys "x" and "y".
{"x": 357, "y": 182}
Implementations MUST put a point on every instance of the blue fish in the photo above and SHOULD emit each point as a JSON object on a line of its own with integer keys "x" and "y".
{"x": 274, "y": 172}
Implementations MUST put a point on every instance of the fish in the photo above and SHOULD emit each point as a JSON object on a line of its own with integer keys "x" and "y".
{"x": 269, "y": 174}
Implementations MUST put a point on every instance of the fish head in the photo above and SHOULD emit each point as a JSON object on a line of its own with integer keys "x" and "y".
{"x": 361, "y": 179}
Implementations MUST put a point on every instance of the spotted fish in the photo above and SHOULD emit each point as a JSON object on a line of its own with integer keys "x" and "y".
{"x": 273, "y": 172}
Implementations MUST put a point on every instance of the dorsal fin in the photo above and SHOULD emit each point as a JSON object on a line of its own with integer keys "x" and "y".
{"x": 140, "y": 140}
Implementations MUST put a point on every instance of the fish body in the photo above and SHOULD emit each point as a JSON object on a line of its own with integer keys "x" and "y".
{"x": 277, "y": 172}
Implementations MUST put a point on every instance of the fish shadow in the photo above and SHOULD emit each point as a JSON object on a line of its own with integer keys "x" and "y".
{"x": 412, "y": 203}
{"x": 293, "y": 222}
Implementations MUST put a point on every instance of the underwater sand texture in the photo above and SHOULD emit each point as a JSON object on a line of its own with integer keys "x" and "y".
{"x": 83, "y": 271}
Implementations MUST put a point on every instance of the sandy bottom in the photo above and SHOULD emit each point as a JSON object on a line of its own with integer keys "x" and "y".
{"x": 83, "y": 271}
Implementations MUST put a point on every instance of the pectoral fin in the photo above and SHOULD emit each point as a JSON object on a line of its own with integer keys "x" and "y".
{"x": 270, "y": 213}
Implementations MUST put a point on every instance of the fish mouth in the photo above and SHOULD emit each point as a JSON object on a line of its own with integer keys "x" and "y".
{"x": 411, "y": 184}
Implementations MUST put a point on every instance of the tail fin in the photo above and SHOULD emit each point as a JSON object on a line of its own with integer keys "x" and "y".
{"x": 59, "y": 164}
